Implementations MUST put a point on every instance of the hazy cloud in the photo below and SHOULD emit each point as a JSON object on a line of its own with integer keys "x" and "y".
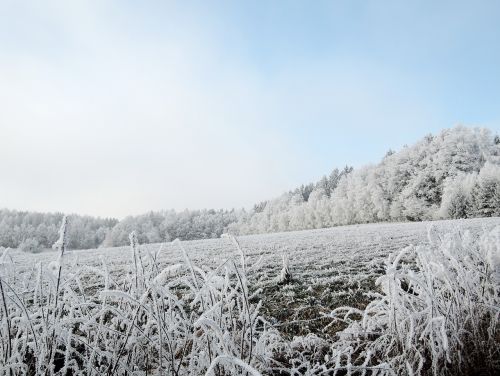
{"x": 110, "y": 110}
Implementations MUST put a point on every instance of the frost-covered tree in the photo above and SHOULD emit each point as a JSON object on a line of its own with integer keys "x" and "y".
{"x": 453, "y": 174}
{"x": 485, "y": 192}
{"x": 457, "y": 196}
{"x": 155, "y": 227}
{"x": 41, "y": 229}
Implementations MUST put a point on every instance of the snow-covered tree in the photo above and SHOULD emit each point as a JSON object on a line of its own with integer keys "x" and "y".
{"x": 453, "y": 174}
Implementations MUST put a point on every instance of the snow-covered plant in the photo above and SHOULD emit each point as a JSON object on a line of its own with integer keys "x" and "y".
{"x": 137, "y": 264}
{"x": 285, "y": 274}
{"x": 178, "y": 319}
{"x": 29, "y": 246}
{"x": 438, "y": 312}
{"x": 5, "y": 257}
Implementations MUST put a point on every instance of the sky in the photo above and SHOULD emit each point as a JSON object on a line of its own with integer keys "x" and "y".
{"x": 116, "y": 108}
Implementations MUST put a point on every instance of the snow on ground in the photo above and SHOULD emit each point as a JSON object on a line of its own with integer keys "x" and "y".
{"x": 331, "y": 267}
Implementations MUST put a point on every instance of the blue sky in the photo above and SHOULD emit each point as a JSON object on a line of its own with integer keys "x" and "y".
{"x": 119, "y": 107}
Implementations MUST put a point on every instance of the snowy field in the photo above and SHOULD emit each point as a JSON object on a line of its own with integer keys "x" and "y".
{"x": 330, "y": 267}
{"x": 219, "y": 307}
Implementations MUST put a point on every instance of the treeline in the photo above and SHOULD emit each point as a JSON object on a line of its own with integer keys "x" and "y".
{"x": 155, "y": 227}
{"x": 327, "y": 184}
{"x": 32, "y": 232}
{"x": 455, "y": 174}
{"x": 162, "y": 226}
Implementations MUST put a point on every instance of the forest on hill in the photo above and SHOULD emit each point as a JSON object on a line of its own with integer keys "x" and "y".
{"x": 454, "y": 174}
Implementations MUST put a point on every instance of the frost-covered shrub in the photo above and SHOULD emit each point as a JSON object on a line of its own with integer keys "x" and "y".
{"x": 30, "y": 246}
{"x": 438, "y": 312}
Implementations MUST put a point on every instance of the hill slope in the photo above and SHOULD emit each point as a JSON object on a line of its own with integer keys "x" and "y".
{"x": 455, "y": 174}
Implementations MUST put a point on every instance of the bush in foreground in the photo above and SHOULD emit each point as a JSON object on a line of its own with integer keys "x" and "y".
{"x": 438, "y": 313}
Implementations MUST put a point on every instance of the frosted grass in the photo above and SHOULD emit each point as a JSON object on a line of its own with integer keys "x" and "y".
{"x": 196, "y": 308}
